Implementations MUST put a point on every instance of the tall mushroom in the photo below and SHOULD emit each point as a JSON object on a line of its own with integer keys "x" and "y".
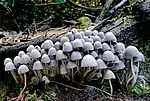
{"x": 35, "y": 54}
{"x": 67, "y": 48}
{"x": 52, "y": 52}
{"x": 47, "y": 45}
{"x": 77, "y": 44}
{"x": 64, "y": 39}
{"x": 45, "y": 60}
{"x": 37, "y": 66}
{"x": 88, "y": 47}
{"x": 71, "y": 65}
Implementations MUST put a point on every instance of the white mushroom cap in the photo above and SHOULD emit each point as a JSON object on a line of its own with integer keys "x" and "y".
{"x": 109, "y": 75}
{"x": 130, "y": 52}
{"x": 119, "y": 47}
{"x": 9, "y": 66}
{"x": 76, "y": 55}
{"x": 45, "y": 59}
{"x": 47, "y": 44}
{"x": 30, "y": 48}
{"x": 90, "y": 40}
{"x": 52, "y": 51}
{"x": 110, "y": 37}
{"x": 21, "y": 53}
{"x": 94, "y": 54}
{"x": 23, "y": 69}
{"x": 37, "y": 65}
{"x": 77, "y": 43}
{"x": 70, "y": 36}
{"x": 91, "y": 27}
{"x": 116, "y": 59}
{"x": 53, "y": 63}
{"x": 85, "y": 38}
{"x": 97, "y": 45}
{"x": 74, "y": 30}
{"x": 17, "y": 60}
{"x": 82, "y": 33}
{"x": 35, "y": 54}
{"x": 95, "y": 32}
{"x": 38, "y": 48}
{"x": 88, "y": 61}
{"x": 67, "y": 47}
{"x": 101, "y": 64}
{"x": 7, "y": 60}
{"x": 97, "y": 38}
{"x": 43, "y": 52}
{"x": 140, "y": 57}
{"x": 71, "y": 65}
{"x": 57, "y": 45}
{"x": 88, "y": 33}
{"x": 83, "y": 41}
{"x": 108, "y": 56}
{"x": 105, "y": 47}
{"x": 44, "y": 78}
{"x": 119, "y": 65}
{"x": 63, "y": 40}
{"x": 101, "y": 35}
{"x": 88, "y": 46}
{"x": 60, "y": 55}
{"x": 63, "y": 69}
{"x": 25, "y": 59}
{"x": 77, "y": 36}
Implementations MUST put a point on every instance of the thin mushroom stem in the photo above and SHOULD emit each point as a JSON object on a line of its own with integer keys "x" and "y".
{"x": 133, "y": 73}
{"x": 21, "y": 77}
{"x": 91, "y": 75}
{"x": 14, "y": 76}
{"x": 111, "y": 88}
{"x": 39, "y": 74}
{"x": 72, "y": 75}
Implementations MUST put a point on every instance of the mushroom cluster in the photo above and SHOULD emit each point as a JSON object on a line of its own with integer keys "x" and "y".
{"x": 78, "y": 56}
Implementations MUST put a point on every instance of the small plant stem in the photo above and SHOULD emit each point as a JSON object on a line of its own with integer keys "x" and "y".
{"x": 72, "y": 75}
{"x": 39, "y": 74}
{"x": 14, "y": 76}
{"x": 111, "y": 88}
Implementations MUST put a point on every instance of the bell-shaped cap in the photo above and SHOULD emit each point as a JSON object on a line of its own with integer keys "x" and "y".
{"x": 57, "y": 45}
{"x": 63, "y": 70}
{"x": 35, "y": 54}
{"x": 116, "y": 59}
{"x": 45, "y": 59}
{"x": 85, "y": 38}
{"x": 82, "y": 33}
{"x": 77, "y": 36}
{"x": 47, "y": 44}
{"x": 88, "y": 33}
{"x": 119, "y": 47}
{"x": 90, "y": 40}
{"x": 67, "y": 47}
{"x": 83, "y": 41}
{"x": 130, "y": 52}
{"x": 119, "y": 65}
{"x": 140, "y": 57}
{"x": 97, "y": 38}
{"x": 23, "y": 69}
{"x": 88, "y": 61}
{"x": 71, "y": 65}
{"x": 77, "y": 43}
{"x": 75, "y": 55}
{"x": 52, "y": 51}
{"x": 88, "y": 46}
{"x": 74, "y": 30}
{"x": 70, "y": 36}
{"x": 37, "y": 65}
{"x": 108, "y": 56}
{"x": 109, "y": 75}
{"x": 38, "y": 48}
{"x": 95, "y": 32}
{"x": 97, "y": 45}
{"x": 101, "y": 35}
{"x": 105, "y": 47}
{"x": 21, "y": 53}
{"x": 60, "y": 55}
{"x": 9, "y": 66}
{"x": 7, "y": 60}
{"x": 25, "y": 59}
{"x": 30, "y": 48}
{"x": 110, "y": 37}
{"x": 17, "y": 60}
{"x": 64, "y": 39}
{"x": 53, "y": 63}
{"x": 94, "y": 54}
{"x": 101, "y": 64}
{"x": 43, "y": 52}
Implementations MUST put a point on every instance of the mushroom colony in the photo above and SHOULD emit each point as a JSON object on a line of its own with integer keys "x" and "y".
{"x": 81, "y": 56}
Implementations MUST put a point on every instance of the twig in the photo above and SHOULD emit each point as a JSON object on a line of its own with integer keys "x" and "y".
{"x": 66, "y": 85}
{"x": 44, "y": 20}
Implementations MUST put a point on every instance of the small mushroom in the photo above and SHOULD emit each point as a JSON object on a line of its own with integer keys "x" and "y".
{"x": 83, "y": 41}
{"x": 90, "y": 40}
{"x": 7, "y": 60}
{"x": 21, "y": 53}
{"x": 105, "y": 47}
{"x": 43, "y": 52}
{"x": 67, "y": 47}
{"x": 74, "y": 30}
{"x": 25, "y": 59}
{"x": 77, "y": 43}
{"x": 119, "y": 66}
{"x": 78, "y": 36}
{"x": 108, "y": 56}
{"x": 17, "y": 60}
{"x": 101, "y": 64}
{"x": 97, "y": 46}
{"x": 88, "y": 33}
{"x": 85, "y": 38}
{"x": 45, "y": 60}
{"x": 35, "y": 54}
{"x": 95, "y": 32}
{"x": 11, "y": 67}
{"x": 47, "y": 45}
{"x": 64, "y": 39}
{"x": 82, "y": 33}
{"x": 23, "y": 69}
{"x": 108, "y": 75}
{"x": 102, "y": 36}
{"x": 116, "y": 59}
{"x": 53, "y": 65}
{"x": 71, "y": 65}
{"x": 37, "y": 66}
{"x": 94, "y": 54}
{"x": 70, "y": 36}
{"x": 88, "y": 46}
{"x": 63, "y": 71}
{"x": 120, "y": 49}
{"x": 38, "y": 48}
{"x": 45, "y": 79}
{"x": 57, "y": 45}
{"x": 52, "y": 52}
{"x": 97, "y": 38}
{"x": 30, "y": 48}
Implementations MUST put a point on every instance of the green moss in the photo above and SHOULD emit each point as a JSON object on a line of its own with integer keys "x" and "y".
{"x": 3, "y": 91}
